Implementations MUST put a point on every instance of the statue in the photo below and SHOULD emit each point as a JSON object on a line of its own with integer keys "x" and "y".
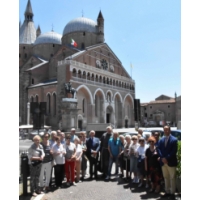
{"x": 70, "y": 89}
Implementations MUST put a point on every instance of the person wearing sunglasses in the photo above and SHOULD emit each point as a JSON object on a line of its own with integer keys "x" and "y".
{"x": 156, "y": 135}
{"x": 133, "y": 158}
{"x": 141, "y": 157}
{"x": 152, "y": 165}
{"x": 70, "y": 160}
{"x": 46, "y": 163}
{"x": 59, "y": 157}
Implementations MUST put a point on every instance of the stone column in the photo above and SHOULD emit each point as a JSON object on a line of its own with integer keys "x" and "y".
{"x": 28, "y": 113}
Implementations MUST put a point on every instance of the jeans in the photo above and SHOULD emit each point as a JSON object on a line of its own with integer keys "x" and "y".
{"x": 111, "y": 161}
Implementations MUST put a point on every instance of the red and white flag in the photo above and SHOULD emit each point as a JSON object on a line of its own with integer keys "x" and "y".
{"x": 73, "y": 43}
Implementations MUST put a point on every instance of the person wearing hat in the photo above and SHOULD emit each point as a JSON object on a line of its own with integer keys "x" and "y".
{"x": 141, "y": 164}
{"x": 73, "y": 136}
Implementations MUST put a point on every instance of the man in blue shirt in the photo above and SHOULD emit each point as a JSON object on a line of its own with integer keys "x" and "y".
{"x": 114, "y": 148}
{"x": 73, "y": 136}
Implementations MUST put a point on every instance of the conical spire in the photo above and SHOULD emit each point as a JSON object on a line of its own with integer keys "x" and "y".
{"x": 100, "y": 15}
{"x": 28, "y": 8}
{"x": 29, "y": 12}
{"x": 38, "y": 31}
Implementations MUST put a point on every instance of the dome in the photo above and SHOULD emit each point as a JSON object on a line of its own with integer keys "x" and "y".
{"x": 50, "y": 37}
{"x": 80, "y": 24}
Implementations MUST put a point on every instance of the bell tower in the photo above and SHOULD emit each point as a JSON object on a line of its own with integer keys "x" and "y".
{"x": 100, "y": 25}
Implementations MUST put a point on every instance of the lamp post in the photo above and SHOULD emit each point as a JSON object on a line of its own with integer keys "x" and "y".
{"x": 28, "y": 113}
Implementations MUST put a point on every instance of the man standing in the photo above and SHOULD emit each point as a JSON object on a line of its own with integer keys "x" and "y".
{"x": 104, "y": 151}
{"x": 62, "y": 138}
{"x": 93, "y": 146}
{"x": 53, "y": 138}
{"x": 114, "y": 148}
{"x": 73, "y": 136}
{"x": 167, "y": 150}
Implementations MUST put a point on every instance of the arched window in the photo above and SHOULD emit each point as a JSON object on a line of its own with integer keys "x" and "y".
{"x": 74, "y": 72}
{"x": 54, "y": 104}
{"x": 32, "y": 81}
{"x": 48, "y": 104}
{"x": 88, "y": 76}
{"x": 79, "y": 73}
{"x": 32, "y": 99}
{"x": 83, "y": 106}
{"x": 82, "y": 46}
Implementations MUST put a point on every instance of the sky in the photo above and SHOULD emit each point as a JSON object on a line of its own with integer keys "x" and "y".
{"x": 144, "y": 33}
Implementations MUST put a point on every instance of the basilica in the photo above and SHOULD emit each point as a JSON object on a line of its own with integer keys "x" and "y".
{"x": 105, "y": 92}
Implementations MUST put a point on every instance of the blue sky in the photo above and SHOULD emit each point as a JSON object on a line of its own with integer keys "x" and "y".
{"x": 146, "y": 33}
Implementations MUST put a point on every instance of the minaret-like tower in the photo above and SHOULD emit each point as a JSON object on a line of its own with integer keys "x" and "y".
{"x": 38, "y": 32}
{"x": 27, "y": 32}
{"x": 28, "y": 12}
{"x": 100, "y": 25}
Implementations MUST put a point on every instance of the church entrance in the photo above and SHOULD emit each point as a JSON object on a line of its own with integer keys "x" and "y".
{"x": 126, "y": 123}
{"x": 80, "y": 122}
{"x": 109, "y": 116}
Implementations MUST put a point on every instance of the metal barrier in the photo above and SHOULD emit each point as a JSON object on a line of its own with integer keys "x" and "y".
{"x": 25, "y": 171}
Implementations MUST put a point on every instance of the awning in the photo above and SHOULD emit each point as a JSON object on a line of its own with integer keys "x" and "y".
{"x": 30, "y": 126}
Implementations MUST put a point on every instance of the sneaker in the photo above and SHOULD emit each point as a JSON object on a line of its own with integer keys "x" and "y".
{"x": 140, "y": 185}
{"x": 74, "y": 184}
{"x": 107, "y": 178}
{"x": 147, "y": 185}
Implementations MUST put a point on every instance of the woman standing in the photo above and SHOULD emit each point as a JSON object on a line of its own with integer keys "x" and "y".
{"x": 35, "y": 155}
{"x": 126, "y": 154}
{"x": 141, "y": 164}
{"x": 84, "y": 158}
{"x": 152, "y": 165}
{"x": 134, "y": 159}
{"x": 79, "y": 152}
{"x": 59, "y": 157}
{"x": 47, "y": 162}
{"x": 70, "y": 160}
{"x": 122, "y": 162}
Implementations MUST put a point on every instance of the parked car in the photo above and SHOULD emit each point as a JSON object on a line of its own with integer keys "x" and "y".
{"x": 130, "y": 133}
{"x": 35, "y": 132}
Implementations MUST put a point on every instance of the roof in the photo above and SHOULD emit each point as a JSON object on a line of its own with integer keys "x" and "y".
{"x": 47, "y": 82}
{"x": 29, "y": 8}
{"x": 162, "y": 101}
{"x": 49, "y": 37}
{"x": 80, "y": 24}
{"x": 27, "y": 33}
{"x": 43, "y": 62}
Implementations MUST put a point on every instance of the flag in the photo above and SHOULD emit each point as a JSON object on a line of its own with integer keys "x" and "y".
{"x": 73, "y": 43}
{"x": 131, "y": 65}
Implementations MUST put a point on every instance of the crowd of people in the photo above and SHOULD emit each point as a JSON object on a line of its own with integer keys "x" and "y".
{"x": 145, "y": 162}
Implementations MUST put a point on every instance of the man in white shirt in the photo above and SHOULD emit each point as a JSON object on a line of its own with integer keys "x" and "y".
{"x": 73, "y": 136}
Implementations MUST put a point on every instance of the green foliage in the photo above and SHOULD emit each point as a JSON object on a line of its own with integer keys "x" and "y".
{"x": 178, "y": 168}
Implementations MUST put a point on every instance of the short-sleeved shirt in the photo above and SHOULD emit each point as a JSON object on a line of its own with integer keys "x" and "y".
{"x": 72, "y": 138}
{"x": 69, "y": 150}
{"x": 152, "y": 158}
{"x": 78, "y": 150}
{"x": 48, "y": 156}
{"x": 59, "y": 159}
{"x": 114, "y": 146}
{"x": 142, "y": 150}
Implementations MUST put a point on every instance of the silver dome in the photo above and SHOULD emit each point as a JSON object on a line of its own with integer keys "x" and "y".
{"x": 27, "y": 33}
{"x": 49, "y": 37}
{"x": 80, "y": 24}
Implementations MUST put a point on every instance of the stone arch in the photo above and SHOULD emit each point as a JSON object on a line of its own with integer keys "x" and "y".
{"x": 99, "y": 89}
{"x": 74, "y": 71}
{"x": 126, "y": 97}
{"x": 88, "y": 90}
{"x": 79, "y": 73}
{"x": 109, "y": 91}
{"x": 119, "y": 96}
